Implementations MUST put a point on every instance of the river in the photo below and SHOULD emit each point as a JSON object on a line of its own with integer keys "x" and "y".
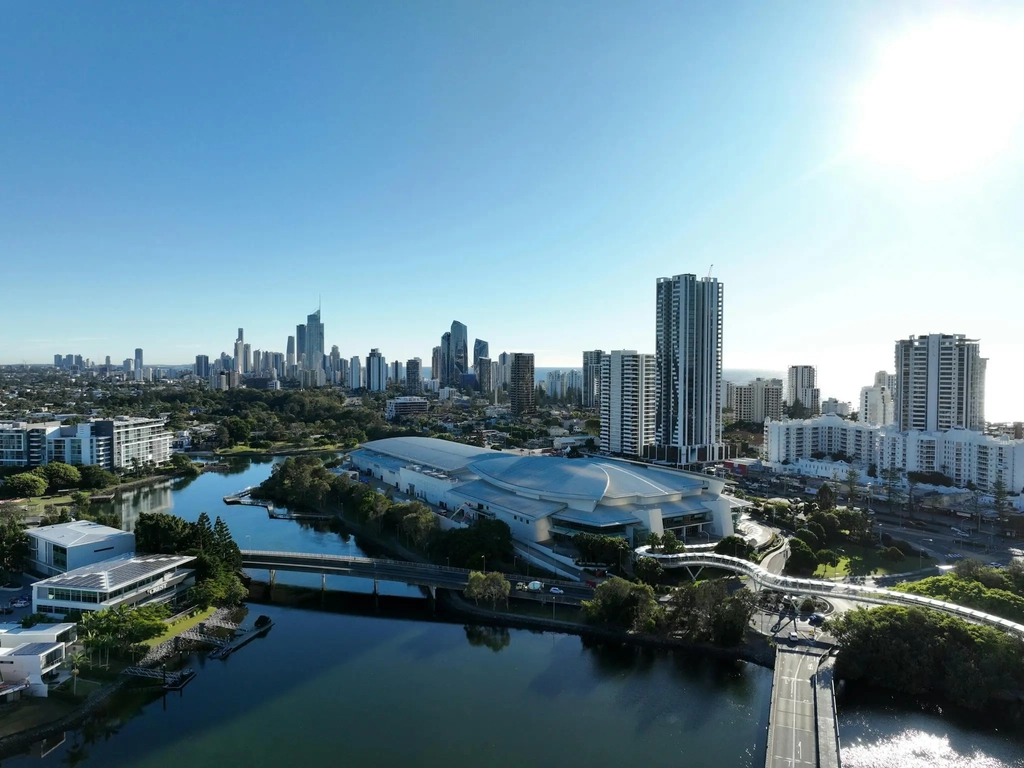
{"x": 366, "y": 690}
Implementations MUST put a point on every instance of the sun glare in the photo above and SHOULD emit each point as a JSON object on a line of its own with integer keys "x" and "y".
{"x": 945, "y": 98}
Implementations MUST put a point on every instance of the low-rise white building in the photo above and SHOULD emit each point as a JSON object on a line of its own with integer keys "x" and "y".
{"x": 130, "y": 580}
{"x": 410, "y": 405}
{"x": 55, "y": 549}
{"x": 838, "y": 407}
{"x": 29, "y": 665}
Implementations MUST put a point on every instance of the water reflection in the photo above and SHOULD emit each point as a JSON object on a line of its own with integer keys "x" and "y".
{"x": 495, "y": 638}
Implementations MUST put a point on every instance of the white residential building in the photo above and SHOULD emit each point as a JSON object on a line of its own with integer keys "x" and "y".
{"x": 758, "y": 401}
{"x": 79, "y": 445}
{"x": 876, "y": 401}
{"x": 127, "y": 580}
{"x": 138, "y": 438}
{"x": 838, "y": 407}
{"x": 355, "y": 373}
{"x": 965, "y": 456}
{"x": 688, "y": 338}
{"x": 628, "y": 402}
{"x": 24, "y": 444}
{"x": 940, "y": 383}
{"x": 803, "y": 386}
{"x": 398, "y": 407}
{"x": 55, "y": 549}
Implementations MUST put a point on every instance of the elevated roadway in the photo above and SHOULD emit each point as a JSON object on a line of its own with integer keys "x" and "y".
{"x": 858, "y": 593}
{"x": 417, "y": 574}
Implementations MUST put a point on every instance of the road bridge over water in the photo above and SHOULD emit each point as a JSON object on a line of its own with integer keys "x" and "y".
{"x": 824, "y": 588}
{"x": 427, "y": 575}
{"x": 802, "y": 726}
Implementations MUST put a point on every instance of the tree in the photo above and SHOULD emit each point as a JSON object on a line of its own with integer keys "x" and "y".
{"x": 94, "y": 477}
{"x": 224, "y": 546}
{"x": 809, "y": 538}
{"x": 60, "y": 476}
{"x": 75, "y": 661}
{"x": 183, "y": 464}
{"x": 802, "y": 560}
{"x": 158, "y": 533}
{"x": 734, "y": 546}
{"x": 619, "y": 603}
{"x": 476, "y": 588}
{"x": 201, "y": 535}
{"x": 648, "y": 570}
{"x": 828, "y": 558}
{"x": 24, "y": 484}
{"x": 1000, "y": 495}
{"x": 592, "y": 426}
{"x": 496, "y": 588}
{"x": 891, "y": 483}
{"x": 892, "y": 555}
{"x": 670, "y": 545}
{"x": 14, "y": 545}
{"x": 653, "y": 541}
{"x": 826, "y": 498}
{"x": 852, "y": 478}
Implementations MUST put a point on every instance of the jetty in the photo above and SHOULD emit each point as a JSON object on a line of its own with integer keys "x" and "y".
{"x": 225, "y": 646}
{"x": 172, "y": 681}
{"x": 244, "y": 497}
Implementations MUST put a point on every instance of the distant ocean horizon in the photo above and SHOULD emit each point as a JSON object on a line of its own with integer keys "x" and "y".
{"x": 734, "y": 375}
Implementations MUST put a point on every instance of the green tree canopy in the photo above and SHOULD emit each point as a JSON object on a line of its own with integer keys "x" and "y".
{"x": 25, "y": 484}
{"x": 802, "y": 560}
{"x": 619, "y": 603}
{"x": 648, "y": 570}
{"x": 61, "y": 476}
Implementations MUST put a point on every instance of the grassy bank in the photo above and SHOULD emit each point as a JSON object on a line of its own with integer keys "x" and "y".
{"x": 175, "y": 629}
{"x": 855, "y": 560}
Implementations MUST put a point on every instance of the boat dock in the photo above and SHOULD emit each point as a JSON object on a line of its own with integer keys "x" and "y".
{"x": 237, "y": 642}
{"x": 172, "y": 681}
{"x": 244, "y": 497}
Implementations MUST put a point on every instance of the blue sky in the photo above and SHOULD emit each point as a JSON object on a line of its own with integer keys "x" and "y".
{"x": 171, "y": 171}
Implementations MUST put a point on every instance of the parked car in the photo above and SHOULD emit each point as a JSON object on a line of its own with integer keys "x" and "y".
{"x": 5, "y": 610}
{"x": 794, "y": 637}
{"x": 556, "y": 591}
{"x": 19, "y": 602}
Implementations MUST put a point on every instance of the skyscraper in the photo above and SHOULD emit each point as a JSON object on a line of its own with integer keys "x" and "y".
{"x": 458, "y": 357}
{"x": 628, "y": 402}
{"x": 876, "y": 402}
{"x": 290, "y": 353}
{"x": 138, "y": 364}
{"x": 239, "y": 354}
{"x": 436, "y": 366}
{"x": 592, "y": 378}
{"x": 314, "y": 342}
{"x": 202, "y": 366}
{"x": 480, "y": 349}
{"x": 445, "y": 374}
{"x": 521, "y": 394}
{"x": 376, "y": 371}
{"x": 802, "y": 385}
{"x": 483, "y": 375}
{"x": 355, "y": 373}
{"x": 940, "y": 383}
{"x": 689, "y": 361}
{"x": 246, "y": 358}
{"x": 413, "y": 375}
{"x": 300, "y": 344}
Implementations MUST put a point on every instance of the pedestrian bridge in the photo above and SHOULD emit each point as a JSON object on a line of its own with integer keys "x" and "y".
{"x": 824, "y": 588}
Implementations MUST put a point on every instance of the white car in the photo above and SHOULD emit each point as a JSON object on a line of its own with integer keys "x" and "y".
{"x": 556, "y": 591}
{"x": 19, "y": 602}
{"x": 794, "y": 637}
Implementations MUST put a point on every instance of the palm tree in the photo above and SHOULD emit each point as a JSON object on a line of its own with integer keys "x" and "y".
{"x": 75, "y": 660}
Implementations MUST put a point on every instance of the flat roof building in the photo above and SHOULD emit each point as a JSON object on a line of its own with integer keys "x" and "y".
{"x": 129, "y": 580}
{"x": 56, "y": 549}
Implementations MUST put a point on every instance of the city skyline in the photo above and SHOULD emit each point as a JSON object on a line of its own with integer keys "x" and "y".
{"x": 630, "y": 146}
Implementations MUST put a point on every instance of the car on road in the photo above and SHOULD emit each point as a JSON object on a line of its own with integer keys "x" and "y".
{"x": 556, "y": 591}
{"x": 816, "y": 620}
{"x": 794, "y": 637}
{"x": 535, "y": 586}
{"x": 996, "y": 564}
{"x": 520, "y": 586}
{"x": 19, "y": 602}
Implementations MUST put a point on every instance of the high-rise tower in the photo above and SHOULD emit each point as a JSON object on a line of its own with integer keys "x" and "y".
{"x": 689, "y": 368}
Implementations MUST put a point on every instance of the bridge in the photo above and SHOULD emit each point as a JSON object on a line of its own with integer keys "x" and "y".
{"x": 426, "y": 575}
{"x": 802, "y": 726}
{"x": 824, "y": 588}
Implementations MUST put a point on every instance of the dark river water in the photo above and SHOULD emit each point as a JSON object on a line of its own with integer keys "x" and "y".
{"x": 335, "y": 689}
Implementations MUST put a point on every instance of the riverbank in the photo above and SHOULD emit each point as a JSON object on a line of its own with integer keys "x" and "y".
{"x": 255, "y": 453}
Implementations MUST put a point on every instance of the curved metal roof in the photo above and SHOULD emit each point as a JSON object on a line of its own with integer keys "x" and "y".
{"x": 429, "y": 451}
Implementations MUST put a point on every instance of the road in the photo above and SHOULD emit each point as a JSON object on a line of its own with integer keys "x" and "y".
{"x": 792, "y": 735}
